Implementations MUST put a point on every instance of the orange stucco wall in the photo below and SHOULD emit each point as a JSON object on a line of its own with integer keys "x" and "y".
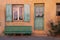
{"x": 49, "y": 13}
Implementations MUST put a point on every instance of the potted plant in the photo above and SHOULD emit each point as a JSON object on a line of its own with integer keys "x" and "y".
{"x": 53, "y": 29}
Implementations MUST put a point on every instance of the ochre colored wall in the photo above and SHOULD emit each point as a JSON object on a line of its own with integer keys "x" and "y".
{"x": 49, "y": 13}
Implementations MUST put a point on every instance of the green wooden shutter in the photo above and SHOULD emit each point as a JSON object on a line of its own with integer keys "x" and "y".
{"x": 26, "y": 12}
{"x": 8, "y": 12}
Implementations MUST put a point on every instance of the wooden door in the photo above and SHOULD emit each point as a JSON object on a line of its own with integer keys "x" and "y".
{"x": 39, "y": 17}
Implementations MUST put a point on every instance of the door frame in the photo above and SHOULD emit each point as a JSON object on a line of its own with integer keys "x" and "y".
{"x": 37, "y": 31}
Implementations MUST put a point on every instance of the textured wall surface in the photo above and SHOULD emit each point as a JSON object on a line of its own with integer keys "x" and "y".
{"x": 49, "y": 13}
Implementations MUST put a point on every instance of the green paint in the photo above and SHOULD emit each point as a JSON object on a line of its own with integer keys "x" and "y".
{"x": 26, "y": 12}
{"x": 39, "y": 21}
{"x": 8, "y": 12}
{"x": 18, "y": 29}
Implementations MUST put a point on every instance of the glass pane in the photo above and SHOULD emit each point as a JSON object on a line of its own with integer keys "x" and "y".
{"x": 15, "y": 13}
{"x": 20, "y": 13}
{"x": 39, "y": 11}
{"x": 58, "y": 10}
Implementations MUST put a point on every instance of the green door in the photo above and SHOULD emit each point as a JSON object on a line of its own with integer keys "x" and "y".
{"x": 39, "y": 17}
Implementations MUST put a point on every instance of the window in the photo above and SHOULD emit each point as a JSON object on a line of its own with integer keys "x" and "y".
{"x": 58, "y": 13}
{"x": 17, "y": 12}
{"x": 20, "y": 13}
{"x": 39, "y": 10}
{"x": 58, "y": 9}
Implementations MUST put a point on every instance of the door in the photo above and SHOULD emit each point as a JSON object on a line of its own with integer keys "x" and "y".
{"x": 39, "y": 17}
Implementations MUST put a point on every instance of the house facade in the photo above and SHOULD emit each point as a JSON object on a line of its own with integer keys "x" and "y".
{"x": 28, "y": 16}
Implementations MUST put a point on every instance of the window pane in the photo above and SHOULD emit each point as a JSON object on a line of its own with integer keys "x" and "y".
{"x": 15, "y": 13}
{"x": 39, "y": 11}
{"x": 20, "y": 13}
{"x": 58, "y": 9}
